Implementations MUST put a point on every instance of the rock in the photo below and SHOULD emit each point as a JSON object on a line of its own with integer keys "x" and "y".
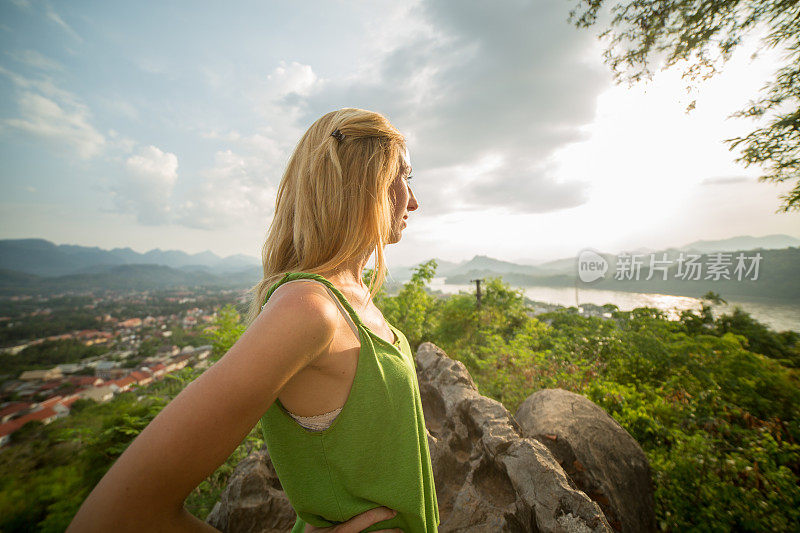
{"x": 253, "y": 501}
{"x": 489, "y": 477}
{"x": 597, "y": 453}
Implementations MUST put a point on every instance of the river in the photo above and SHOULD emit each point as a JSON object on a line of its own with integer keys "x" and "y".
{"x": 779, "y": 317}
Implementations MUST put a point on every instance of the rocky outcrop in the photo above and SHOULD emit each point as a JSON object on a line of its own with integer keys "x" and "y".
{"x": 253, "y": 501}
{"x": 490, "y": 475}
{"x": 598, "y": 454}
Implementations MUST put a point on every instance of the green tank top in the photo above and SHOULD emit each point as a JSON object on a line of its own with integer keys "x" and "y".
{"x": 375, "y": 453}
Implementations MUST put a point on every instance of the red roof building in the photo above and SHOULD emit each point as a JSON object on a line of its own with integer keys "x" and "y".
{"x": 123, "y": 383}
{"x": 50, "y": 385}
{"x": 142, "y": 378}
{"x": 7, "y": 412}
{"x": 50, "y": 402}
{"x": 84, "y": 381}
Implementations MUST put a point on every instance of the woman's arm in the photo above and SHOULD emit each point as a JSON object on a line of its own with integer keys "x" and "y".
{"x": 199, "y": 429}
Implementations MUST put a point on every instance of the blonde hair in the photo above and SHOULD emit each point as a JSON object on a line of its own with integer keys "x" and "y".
{"x": 333, "y": 201}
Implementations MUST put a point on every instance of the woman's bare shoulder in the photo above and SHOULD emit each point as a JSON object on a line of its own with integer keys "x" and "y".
{"x": 302, "y": 299}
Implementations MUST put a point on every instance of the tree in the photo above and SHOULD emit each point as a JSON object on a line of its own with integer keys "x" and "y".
{"x": 704, "y": 33}
{"x": 411, "y": 310}
{"x": 225, "y": 331}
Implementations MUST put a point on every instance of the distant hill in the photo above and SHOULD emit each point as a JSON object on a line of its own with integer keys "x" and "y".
{"x": 124, "y": 278}
{"x": 778, "y": 277}
{"x": 44, "y": 258}
{"x": 739, "y": 243}
{"x": 743, "y": 243}
{"x": 481, "y": 264}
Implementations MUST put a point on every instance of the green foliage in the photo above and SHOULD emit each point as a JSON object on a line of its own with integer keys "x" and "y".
{"x": 149, "y": 347}
{"x": 719, "y": 423}
{"x": 409, "y": 310}
{"x": 182, "y": 337}
{"x": 225, "y": 331}
{"x": 48, "y": 354}
{"x": 783, "y": 347}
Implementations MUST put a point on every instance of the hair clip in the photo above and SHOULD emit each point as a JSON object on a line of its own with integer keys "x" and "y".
{"x": 338, "y": 135}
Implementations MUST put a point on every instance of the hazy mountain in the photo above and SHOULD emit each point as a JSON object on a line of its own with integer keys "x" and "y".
{"x": 483, "y": 263}
{"x": 778, "y": 276}
{"x": 478, "y": 265}
{"x": 739, "y": 243}
{"x": 125, "y": 277}
{"x": 743, "y": 243}
{"x": 44, "y": 258}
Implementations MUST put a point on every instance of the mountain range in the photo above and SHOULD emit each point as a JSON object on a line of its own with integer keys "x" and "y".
{"x": 38, "y": 265}
{"x": 44, "y": 258}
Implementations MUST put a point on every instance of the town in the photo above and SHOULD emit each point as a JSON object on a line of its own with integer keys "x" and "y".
{"x": 121, "y": 352}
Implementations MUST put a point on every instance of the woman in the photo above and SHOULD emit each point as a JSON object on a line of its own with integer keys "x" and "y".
{"x": 331, "y": 383}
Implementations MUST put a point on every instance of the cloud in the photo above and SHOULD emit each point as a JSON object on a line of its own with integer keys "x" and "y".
{"x": 146, "y": 186}
{"x": 22, "y": 4}
{"x": 519, "y": 186}
{"x": 49, "y": 112}
{"x": 234, "y": 191}
{"x": 51, "y": 14}
{"x": 282, "y": 99}
{"x": 506, "y": 78}
{"x": 35, "y": 59}
{"x": 44, "y": 85}
{"x": 43, "y": 117}
{"x": 294, "y": 78}
{"x": 121, "y": 143}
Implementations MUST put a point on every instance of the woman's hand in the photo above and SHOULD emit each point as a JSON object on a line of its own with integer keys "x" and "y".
{"x": 359, "y": 523}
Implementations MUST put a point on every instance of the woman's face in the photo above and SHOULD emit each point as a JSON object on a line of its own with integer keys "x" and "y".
{"x": 403, "y": 199}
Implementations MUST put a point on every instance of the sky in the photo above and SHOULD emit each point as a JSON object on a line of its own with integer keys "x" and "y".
{"x": 168, "y": 125}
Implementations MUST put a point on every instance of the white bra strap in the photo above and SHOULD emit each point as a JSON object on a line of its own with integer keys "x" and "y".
{"x": 335, "y": 299}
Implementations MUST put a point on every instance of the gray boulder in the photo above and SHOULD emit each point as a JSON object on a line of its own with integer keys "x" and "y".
{"x": 488, "y": 476}
{"x": 598, "y": 454}
{"x": 253, "y": 500}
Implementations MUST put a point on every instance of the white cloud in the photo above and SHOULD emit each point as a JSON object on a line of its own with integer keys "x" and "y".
{"x": 146, "y": 187}
{"x": 45, "y": 118}
{"x": 262, "y": 145}
{"x": 241, "y": 185}
{"x": 294, "y": 78}
{"x": 35, "y": 59}
{"x": 281, "y": 99}
{"x": 234, "y": 191}
{"x": 51, "y": 14}
{"x": 44, "y": 85}
{"x": 121, "y": 142}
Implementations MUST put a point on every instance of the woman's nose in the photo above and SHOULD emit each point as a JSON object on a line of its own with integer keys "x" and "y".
{"x": 412, "y": 200}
